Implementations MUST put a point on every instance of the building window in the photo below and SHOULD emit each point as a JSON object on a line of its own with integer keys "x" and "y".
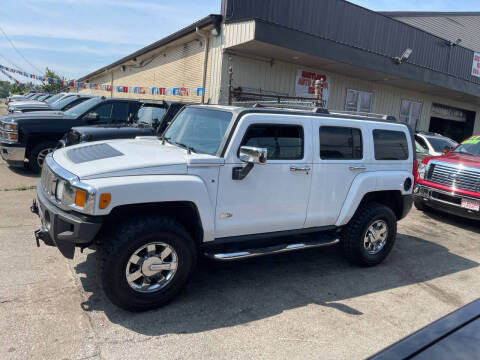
{"x": 410, "y": 112}
{"x": 340, "y": 143}
{"x": 359, "y": 101}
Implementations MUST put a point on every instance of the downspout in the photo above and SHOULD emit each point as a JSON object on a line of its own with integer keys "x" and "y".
{"x": 111, "y": 84}
{"x": 206, "y": 43}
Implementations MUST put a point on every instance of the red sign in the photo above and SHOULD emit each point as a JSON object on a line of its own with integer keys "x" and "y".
{"x": 476, "y": 65}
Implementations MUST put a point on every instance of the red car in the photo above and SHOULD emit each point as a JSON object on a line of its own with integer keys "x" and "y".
{"x": 451, "y": 182}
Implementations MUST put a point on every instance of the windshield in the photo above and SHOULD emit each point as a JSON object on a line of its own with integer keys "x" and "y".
{"x": 62, "y": 103}
{"x": 440, "y": 143}
{"x": 54, "y": 98}
{"x": 200, "y": 129}
{"x": 470, "y": 146}
{"x": 150, "y": 114}
{"x": 40, "y": 98}
{"x": 419, "y": 148}
{"x": 83, "y": 107}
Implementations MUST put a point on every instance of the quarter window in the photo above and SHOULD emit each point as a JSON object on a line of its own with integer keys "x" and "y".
{"x": 359, "y": 101}
{"x": 283, "y": 142}
{"x": 340, "y": 143}
{"x": 390, "y": 145}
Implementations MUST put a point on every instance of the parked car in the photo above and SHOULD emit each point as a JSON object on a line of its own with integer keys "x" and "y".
{"x": 455, "y": 336}
{"x": 230, "y": 183}
{"x": 29, "y": 137}
{"x": 152, "y": 119}
{"x": 421, "y": 152}
{"x": 36, "y": 105}
{"x": 451, "y": 182}
{"x": 434, "y": 144}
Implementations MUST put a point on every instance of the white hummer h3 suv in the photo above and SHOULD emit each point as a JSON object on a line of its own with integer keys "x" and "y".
{"x": 228, "y": 183}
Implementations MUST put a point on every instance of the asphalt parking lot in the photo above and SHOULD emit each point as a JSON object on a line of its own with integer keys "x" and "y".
{"x": 305, "y": 305}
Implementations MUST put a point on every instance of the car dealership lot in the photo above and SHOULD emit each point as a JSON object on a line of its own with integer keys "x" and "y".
{"x": 309, "y": 304}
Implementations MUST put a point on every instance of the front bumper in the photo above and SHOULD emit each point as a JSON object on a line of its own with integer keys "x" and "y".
{"x": 448, "y": 202}
{"x": 13, "y": 155}
{"x": 62, "y": 229}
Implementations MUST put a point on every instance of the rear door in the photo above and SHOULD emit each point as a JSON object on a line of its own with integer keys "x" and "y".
{"x": 339, "y": 155}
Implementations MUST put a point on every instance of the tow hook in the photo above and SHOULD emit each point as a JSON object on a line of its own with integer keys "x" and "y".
{"x": 38, "y": 237}
{"x": 34, "y": 209}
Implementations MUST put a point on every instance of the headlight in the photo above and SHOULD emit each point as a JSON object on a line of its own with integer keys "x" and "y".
{"x": 10, "y": 126}
{"x": 60, "y": 190}
{"x": 76, "y": 198}
{"x": 422, "y": 168}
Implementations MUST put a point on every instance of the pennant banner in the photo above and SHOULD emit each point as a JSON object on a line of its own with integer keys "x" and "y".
{"x": 10, "y": 76}
{"x": 141, "y": 90}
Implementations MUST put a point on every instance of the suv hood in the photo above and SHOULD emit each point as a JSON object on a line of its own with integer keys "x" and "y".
{"x": 34, "y": 115}
{"x": 459, "y": 159}
{"x": 140, "y": 156}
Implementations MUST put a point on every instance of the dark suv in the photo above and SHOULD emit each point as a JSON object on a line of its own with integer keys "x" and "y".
{"x": 151, "y": 119}
{"x": 29, "y": 137}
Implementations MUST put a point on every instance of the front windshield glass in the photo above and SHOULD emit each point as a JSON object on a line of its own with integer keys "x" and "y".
{"x": 149, "y": 114}
{"x": 470, "y": 146}
{"x": 60, "y": 104}
{"x": 83, "y": 107}
{"x": 200, "y": 129}
{"x": 40, "y": 98}
{"x": 54, "y": 98}
{"x": 439, "y": 143}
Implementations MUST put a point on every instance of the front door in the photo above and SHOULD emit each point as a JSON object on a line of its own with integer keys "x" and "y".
{"x": 274, "y": 196}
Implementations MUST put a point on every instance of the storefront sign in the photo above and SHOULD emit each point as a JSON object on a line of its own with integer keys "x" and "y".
{"x": 476, "y": 65}
{"x": 305, "y": 84}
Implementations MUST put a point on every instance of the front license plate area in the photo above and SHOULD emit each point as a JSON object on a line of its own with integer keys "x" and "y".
{"x": 471, "y": 205}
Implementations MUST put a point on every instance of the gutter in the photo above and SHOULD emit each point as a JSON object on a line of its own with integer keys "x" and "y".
{"x": 206, "y": 44}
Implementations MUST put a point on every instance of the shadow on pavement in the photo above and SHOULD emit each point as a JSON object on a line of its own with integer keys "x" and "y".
{"x": 229, "y": 294}
{"x": 23, "y": 172}
{"x": 458, "y": 221}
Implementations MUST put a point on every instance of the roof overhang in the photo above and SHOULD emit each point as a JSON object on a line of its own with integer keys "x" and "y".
{"x": 210, "y": 21}
{"x": 272, "y": 41}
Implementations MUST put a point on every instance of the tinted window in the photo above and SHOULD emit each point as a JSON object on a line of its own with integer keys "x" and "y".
{"x": 104, "y": 113}
{"x": 119, "y": 112}
{"x": 340, "y": 143}
{"x": 149, "y": 114}
{"x": 421, "y": 142}
{"x": 283, "y": 142}
{"x": 390, "y": 145}
{"x": 439, "y": 143}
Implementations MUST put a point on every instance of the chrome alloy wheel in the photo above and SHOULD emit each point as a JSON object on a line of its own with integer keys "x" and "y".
{"x": 151, "y": 267}
{"x": 42, "y": 155}
{"x": 376, "y": 237}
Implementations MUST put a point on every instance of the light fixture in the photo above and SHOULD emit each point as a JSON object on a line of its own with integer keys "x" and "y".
{"x": 404, "y": 57}
{"x": 214, "y": 32}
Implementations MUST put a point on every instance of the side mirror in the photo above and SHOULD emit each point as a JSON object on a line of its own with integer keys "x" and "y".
{"x": 446, "y": 149}
{"x": 91, "y": 117}
{"x": 251, "y": 156}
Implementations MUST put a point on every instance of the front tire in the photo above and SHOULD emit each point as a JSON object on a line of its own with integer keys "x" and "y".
{"x": 145, "y": 262}
{"x": 370, "y": 235}
{"x": 38, "y": 153}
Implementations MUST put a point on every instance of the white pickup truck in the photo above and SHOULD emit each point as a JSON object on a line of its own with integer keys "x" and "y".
{"x": 228, "y": 183}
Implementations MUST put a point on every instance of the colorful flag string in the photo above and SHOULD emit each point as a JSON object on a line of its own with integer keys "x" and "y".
{"x": 140, "y": 90}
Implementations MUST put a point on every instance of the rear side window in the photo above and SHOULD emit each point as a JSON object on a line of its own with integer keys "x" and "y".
{"x": 340, "y": 143}
{"x": 283, "y": 142}
{"x": 390, "y": 145}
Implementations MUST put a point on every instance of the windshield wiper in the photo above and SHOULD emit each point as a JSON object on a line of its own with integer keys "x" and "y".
{"x": 188, "y": 148}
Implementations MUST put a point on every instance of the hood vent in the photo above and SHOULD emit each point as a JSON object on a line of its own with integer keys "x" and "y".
{"x": 91, "y": 153}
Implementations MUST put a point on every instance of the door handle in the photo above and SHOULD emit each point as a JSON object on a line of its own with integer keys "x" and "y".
{"x": 303, "y": 169}
{"x": 356, "y": 168}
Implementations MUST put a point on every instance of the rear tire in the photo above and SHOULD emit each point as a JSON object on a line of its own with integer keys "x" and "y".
{"x": 370, "y": 235}
{"x": 38, "y": 153}
{"x": 131, "y": 284}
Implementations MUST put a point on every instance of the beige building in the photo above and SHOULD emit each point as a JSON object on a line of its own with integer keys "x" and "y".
{"x": 431, "y": 87}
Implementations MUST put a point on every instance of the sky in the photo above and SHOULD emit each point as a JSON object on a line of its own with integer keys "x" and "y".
{"x": 76, "y": 37}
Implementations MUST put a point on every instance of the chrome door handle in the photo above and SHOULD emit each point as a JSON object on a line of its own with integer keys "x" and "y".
{"x": 355, "y": 168}
{"x": 304, "y": 169}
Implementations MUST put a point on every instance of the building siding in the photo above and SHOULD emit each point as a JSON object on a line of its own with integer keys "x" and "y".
{"x": 261, "y": 75}
{"x": 178, "y": 66}
{"x": 449, "y": 27}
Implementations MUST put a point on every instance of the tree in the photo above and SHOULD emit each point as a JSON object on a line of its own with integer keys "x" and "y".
{"x": 51, "y": 88}
{"x": 18, "y": 88}
{"x": 4, "y": 89}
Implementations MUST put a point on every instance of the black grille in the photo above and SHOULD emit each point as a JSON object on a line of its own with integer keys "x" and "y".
{"x": 454, "y": 177}
{"x": 92, "y": 152}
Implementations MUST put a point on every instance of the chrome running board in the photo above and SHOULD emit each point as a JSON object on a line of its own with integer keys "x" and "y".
{"x": 277, "y": 249}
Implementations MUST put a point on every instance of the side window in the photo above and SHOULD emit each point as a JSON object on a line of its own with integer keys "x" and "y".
{"x": 133, "y": 108}
{"x": 104, "y": 112}
{"x": 340, "y": 143}
{"x": 74, "y": 103}
{"x": 390, "y": 145}
{"x": 421, "y": 142}
{"x": 119, "y": 112}
{"x": 283, "y": 142}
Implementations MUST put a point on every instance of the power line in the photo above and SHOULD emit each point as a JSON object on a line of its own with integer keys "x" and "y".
{"x": 18, "y": 51}
{"x": 11, "y": 62}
